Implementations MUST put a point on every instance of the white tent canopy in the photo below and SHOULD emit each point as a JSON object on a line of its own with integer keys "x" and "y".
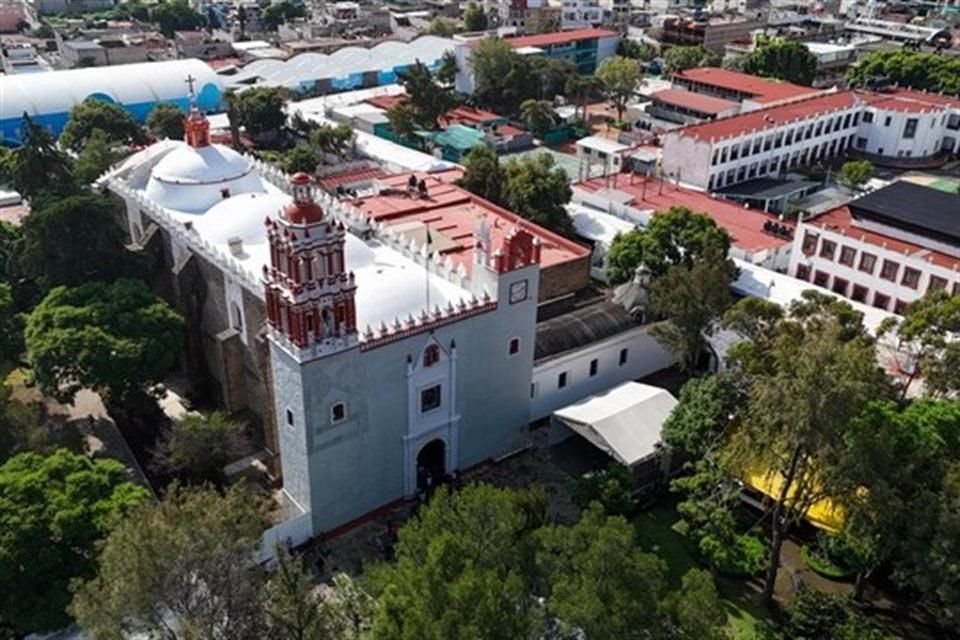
{"x": 625, "y": 421}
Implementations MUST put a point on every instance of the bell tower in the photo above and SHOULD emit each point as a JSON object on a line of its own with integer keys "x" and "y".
{"x": 196, "y": 127}
{"x": 309, "y": 292}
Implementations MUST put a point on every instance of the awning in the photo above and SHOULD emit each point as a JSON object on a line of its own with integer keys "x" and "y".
{"x": 823, "y": 514}
{"x": 625, "y": 422}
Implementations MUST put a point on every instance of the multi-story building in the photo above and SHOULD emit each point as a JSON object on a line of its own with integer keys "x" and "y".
{"x": 580, "y": 14}
{"x": 885, "y": 249}
{"x": 751, "y": 92}
{"x": 712, "y": 33}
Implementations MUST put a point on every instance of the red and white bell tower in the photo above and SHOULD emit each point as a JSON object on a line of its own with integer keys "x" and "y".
{"x": 309, "y": 292}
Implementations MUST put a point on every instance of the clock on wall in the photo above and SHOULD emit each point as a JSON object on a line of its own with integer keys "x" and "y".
{"x": 518, "y": 291}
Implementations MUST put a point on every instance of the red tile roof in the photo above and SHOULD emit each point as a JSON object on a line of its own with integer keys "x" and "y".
{"x": 559, "y": 37}
{"x": 770, "y": 117}
{"x": 694, "y": 101}
{"x": 331, "y": 181}
{"x": 745, "y": 226}
{"x": 841, "y": 220}
{"x": 386, "y": 102}
{"x": 910, "y": 101}
{"x": 455, "y": 213}
{"x": 760, "y": 89}
{"x": 927, "y": 97}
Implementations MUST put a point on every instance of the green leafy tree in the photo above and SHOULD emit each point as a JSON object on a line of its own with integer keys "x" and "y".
{"x": 260, "y": 110}
{"x": 620, "y": 78}
{"x": 196, "y": 447}
{"x": 38, "y": 165}
{"x": 53, "y": 511}
{"x": 499, "y": 76}
{"x": 281, "y": 13}
{"x": 636, "y": 50}
{"x": 166, "y": 121}
{"x": 73, "y": 240}
{"x": 460, "y": 570}
{"x": 483, "y": 174}
{"x": 98, "y": 155}
{"x": 919, "y": 70}
{"x": 191, "y": 577}
{"x": 787, "y": 60}
{"x": 855, "y": 173}
{"x": 441, "y": 27}
{"x": 582, "y": 88}
{"x": 549, "y": 76}
{"x": 114, "y": 121}
{"x": 678, "y": 236}
{"x": 695, "y": 610}
{"x": 691, "y": 299}
{"x": 474, "y": 19}
{"x": 427, "y": 99}
{"x": 301, "y": 159}
{"x": 113, "y": 338}
{"x": 539, "y": 116}
{"x": 403, "y": 121}
{"x": 11, "y": 325}
{"x": 176, "y": 15}
{"x": 612, "y": 488}
{"x": 683, "y": 58}
{"x": 703, "y": 415}
{"x": 9, "y": 237}
{"x": 597, "y": 579}
{"x": 537, "y": 189}
{"x": 335, "y": 141}
{"x": 929, "y": 331}
{"x": 447, "y": 73}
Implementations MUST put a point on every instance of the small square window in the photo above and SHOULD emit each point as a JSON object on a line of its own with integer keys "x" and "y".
{"x": 514, "y": 347}
{"x": 803, "y": 272}
{"x": 289, "y": 418}
{"x": 623, "y": 357}
{"x": 594, "y": 365}
{"x": 911, "y": 277}
{"x": 821, "y": 278}
{"x": 430, "y": 398}
{"x": 867, "y": 262}
{"x": 937, "y": 283}
{"x": 431, "y": 355}
{"x": 562, "y": 380}
{"x": 859, "y": 293}
{"x": 827, "y": 247}
{"x": 847, "y": 255}
{"x": 889, "y": 270}
{"x": 338, "y": 413}
{"x": 881, "y": 301}
{"x": 900, "y": 307}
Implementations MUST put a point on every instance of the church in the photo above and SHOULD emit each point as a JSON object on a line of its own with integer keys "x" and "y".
{"x": 375, "y": 364}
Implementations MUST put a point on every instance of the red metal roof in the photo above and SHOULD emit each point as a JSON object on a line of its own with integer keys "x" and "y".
{"x": 745, "y": 226}
{"x": 694, "y": 101}
{"x": 455, "y": 213}
{"x": 910, "y": 101}
{"x": 559, "y": 37}
{"x": 760, "y": 89}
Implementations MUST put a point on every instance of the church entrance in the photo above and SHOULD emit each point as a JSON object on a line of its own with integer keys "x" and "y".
{"x": 431, "y": 465}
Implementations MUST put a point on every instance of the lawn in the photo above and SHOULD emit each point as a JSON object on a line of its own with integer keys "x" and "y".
{"x": 656, "y": 535}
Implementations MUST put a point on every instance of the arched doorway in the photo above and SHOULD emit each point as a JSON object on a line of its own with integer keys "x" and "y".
{"x": 431, "y": 465}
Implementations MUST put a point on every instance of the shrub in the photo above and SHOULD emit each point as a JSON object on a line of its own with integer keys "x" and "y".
{"x": 611, "y": 487}
{"x": 830, "y": 557}
{"x": 748, "y": 558}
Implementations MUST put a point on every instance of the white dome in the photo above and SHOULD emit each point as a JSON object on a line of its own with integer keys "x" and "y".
{"x": 241, "y": 216}
{"x": 193, "y": 180}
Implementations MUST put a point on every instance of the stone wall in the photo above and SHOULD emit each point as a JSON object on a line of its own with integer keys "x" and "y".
{"x": 564, "y": 278}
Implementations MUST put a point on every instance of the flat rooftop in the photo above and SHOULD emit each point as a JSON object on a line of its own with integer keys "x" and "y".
{"x": 912, "y": 207}
{"x": 745, "y": 226}
{"x": 452, "y": 215}
{"x": 759, "y": 89}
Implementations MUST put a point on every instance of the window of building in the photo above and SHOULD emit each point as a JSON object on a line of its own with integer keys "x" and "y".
{"x": 856, "y": 119}
{"x": 828, "y": 126}
{"x": 778, "y": 141}
{"x": 767, "y": 143}
{"x": 810, "y": 243}
{"x": 868, "y": 116}
{"x": 734, "y": 152}
{"x": 289, "y": 418}
{"x": 821, "y": 278}
{"x": 846, "y": 121}
{"x": 745, "y": 150}
{"x": 338, "y": 413}
{"x": 723, "y": 155}
{"x": 887, "y": 121}
{"x": 623, "y": 357}
{"x": 430, "y": 398}
{"x": 533, "y": 390}
{"x": 889, "y": 270}
{"x": 819, "y": 129}
{"x": 937, "y": 284}
{"x": 847, "y": 255}
{"x": 827, "y": 249}
{"x": 881, "y": 301}
{"x": 752, "y": 173}
{"x": 224, "y": 193}
{"x": 431, "y": 355}
{"x": 900, "y": 306}
{"x": 730, "y": 174}
{"x": 803, "y": 272}
{"x": 867, "y": 262}
{"x": 910, "y": 129}
{"x": 562, "y": 380}
{"x": 840, "y": 286}
{"x": 911, "y": 277}
{"x": 859, "y": 293}
{"x": 716, "y": 155}
{"x": 514, "y": 347}
{"x": 594, "y": 366}
{"x": 756, "y": 145}
{"x": 789, "y": 139}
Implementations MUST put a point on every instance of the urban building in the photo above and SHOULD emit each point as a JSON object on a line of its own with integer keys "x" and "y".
{"x": 580, "y": 14}
{"x": 102, "y": 52}
{"x": 711, "y": 33}
{"x": 750, "y": 92}
{"x": 885, "y": 249}
{"x": 201, "y": 45}
{"x": 70, "y": 7}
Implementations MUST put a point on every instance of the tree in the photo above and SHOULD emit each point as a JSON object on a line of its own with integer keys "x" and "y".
{"x": 53, "y": 510}
{"x": 260, "y": 110}
{"x": 483, "y": 174}
{"x": 787, "y": 60}
{"x": 281, "y": 13}
{"x": 427, "y": 100}
{"x": 11, "y": 326}
{"x": 166, "y": 121}
{"x": 335, "y": 141}
{"x": 446, "y": 75}
{"x": 548, "y": 76}
{"x": 301, "y": 159}
{"x": 928, "y": 329}
{"x": 678, "y": 236}
{"x": 597, "y": 579}
{"x": 636, "y": 50}
{"x": 821, "y": 372}
{"x": 113, "y": 338}
{"x": 582, "y": 87}
{"x": 915, "y": 69}
{"x": 73, "y": 240}
{"x": 196, "y": 447}
{"x": 441, "y": 27}
{"x": 497, "y": 76}
{"x": 175, "y": 15}
{"x": 539, "y": 116}
{"x": 691, "y": 299}
{"x": 39, "y": 165}
{"x": 232, "y": 101}
{"x": 537, "y": 190}
{"x": 474, "y": 19}
{"x": 460, "y": 570}
{"x": 403, "y": 121}
{"x": 191, "y": 577}
{"x": 117, "y": 124}
{"x": 620, "y": 78}
{"x": 683, "y": 58}
{"x": 97, "y": 156}
{"x": 695, "y": 610}
{"x": 703, "y": 415}
{"x": 854, "y": 174}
